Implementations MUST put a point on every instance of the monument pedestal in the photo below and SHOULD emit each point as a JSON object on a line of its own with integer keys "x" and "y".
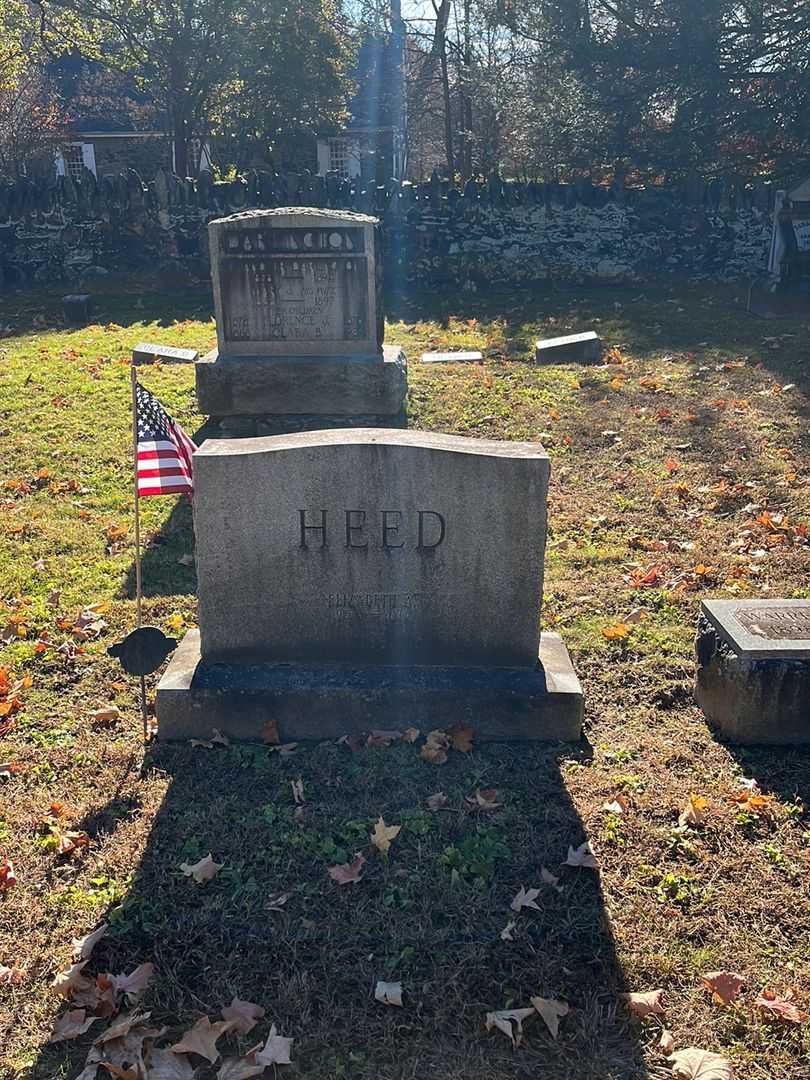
{"x": 325, "y": 701}
{"x": 255, "y": 395}
{"x": 753, "y": 669}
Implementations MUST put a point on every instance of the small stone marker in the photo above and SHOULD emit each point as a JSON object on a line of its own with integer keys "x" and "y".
{"x": 146, "y": 353}
{"x": 351, "y": 577}
{"x": 575, "y": 348}
{"x": 753, "y": 674}
{"x": 298, "y": 301}
{"x": 78, "y": 308}
{"x": 448, "y": 357}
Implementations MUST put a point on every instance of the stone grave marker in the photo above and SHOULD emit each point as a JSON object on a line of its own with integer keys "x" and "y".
{"x": 459, "y": 357}
{"x": 298, "y": 302}
{"x": 351, "y": 580}
{"x": 146, "y": 352}
{"x": 753, "y": 673}
{"x": 573, "y": 348}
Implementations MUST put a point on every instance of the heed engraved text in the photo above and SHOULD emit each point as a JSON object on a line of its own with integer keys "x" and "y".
{"x": 363, "y": 529}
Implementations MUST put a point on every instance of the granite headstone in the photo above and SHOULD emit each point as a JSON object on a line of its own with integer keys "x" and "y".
{"x": 351, "y": 580}
{"x": 753, "y": 669}
{"x": 298, "y": 303}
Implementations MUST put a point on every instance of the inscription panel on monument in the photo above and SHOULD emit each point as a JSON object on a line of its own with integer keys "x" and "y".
{"x": 775, "y": 623}
{"x": 283, "y": 298}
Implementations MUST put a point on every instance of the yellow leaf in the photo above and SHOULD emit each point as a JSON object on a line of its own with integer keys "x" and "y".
{"x": 383, "y": 835}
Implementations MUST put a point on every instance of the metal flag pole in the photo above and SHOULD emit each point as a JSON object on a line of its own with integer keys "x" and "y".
{"x": 138, "y": 584}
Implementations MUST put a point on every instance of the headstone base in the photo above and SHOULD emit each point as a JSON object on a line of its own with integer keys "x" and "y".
{"x": 330, "y": 700}
{"x": 750, "y": 699}
{"x": 769, "y": 299}
{"x": 328, "y": 386}
{"x": 240, "y": 427}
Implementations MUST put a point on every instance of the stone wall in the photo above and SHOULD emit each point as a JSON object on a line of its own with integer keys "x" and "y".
{"x": 488, "y": 233}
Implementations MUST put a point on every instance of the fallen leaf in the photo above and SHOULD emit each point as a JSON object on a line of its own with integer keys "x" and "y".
{"x": 71, "y": 841}
{"x": 484, "y": 800}
{"x": 506, "y": 933}
{"x": 166, "y": 1065}
{"x": 240, "y": 1068}
{"x": 8, "y": 879}
{"x": 347, "y": 873}
{"x": 666, "y": 1043}
{"x": 134, "y": 984}
{"x": 548, "y": 878}
{"x": 618, "y": 632}
{"x": 646, "y": 1003}
{"x": 276, "y": 1050}
{"x": 780, "y": 1007}
{"x": 389, "y": 993}
{"x": 411, "y": 734}
{"x": 435, "y": 749}
{"x": 122, "y": 1026}
{"x": 695, "y": 1064}
{"x": 525, "y": 898}
{"x": 694, "y": 811}
{"x": 243, "y": 1015}
{"x": 582, "y": 856}
{"x": 203, "y": 870}
{"x": 83, "y": 947}
{"x": 724, "y": 985}
{"x": 12, "y": 976}
{"x": 297, "y": 791}
{"x": 71, "y": 1025}
{"x": 71, "y": 979}
{"x": 618, "y": 805}
{"x": 504, "y": 1021}
{"x": 461, "y": 738}
{"x": 120, "y": 1072}
{"x": 107, "y": 715}
{"x": 202, "y": 1039}
{"x": 437, "y": 801}
{"x": 383, "y": 835}
{"x": 551, "y": 1011}
{"x": 219, "y": 738}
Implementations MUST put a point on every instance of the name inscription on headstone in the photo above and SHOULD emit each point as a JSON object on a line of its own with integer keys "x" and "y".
{"x": 776, "y": 624}
{"x": 278, "y": 298}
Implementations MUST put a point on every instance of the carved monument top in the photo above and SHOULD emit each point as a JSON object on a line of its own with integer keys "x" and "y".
{"x": 252, "y": 216}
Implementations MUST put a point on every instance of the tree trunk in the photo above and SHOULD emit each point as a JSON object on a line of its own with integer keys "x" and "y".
{"x": 180, "y": 136}
{"x": 448, "y": 117}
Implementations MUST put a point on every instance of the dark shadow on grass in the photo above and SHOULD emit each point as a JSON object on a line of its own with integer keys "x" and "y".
{"x": 120, "y": 300}
{"x": 430, "y": 915}
{"x": 781, "y": 770}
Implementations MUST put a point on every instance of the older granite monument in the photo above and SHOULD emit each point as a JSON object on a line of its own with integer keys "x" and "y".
{"x": 298, "y": 302}
{"x": 753, "y": 674}
{"x": 353, "y": 580}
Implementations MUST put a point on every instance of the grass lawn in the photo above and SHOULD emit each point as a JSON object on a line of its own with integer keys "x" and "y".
{"x": 679, "y": 471}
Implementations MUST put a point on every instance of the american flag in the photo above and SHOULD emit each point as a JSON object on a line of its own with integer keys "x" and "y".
{"x": 164, "y": 449}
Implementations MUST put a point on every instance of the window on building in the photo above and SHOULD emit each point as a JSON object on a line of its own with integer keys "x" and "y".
{"x": 74, "y": 160}
{"x": 339, "y": 156}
